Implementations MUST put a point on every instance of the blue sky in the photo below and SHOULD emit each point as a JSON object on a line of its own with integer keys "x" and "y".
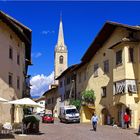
{"x": 81, "y": 23}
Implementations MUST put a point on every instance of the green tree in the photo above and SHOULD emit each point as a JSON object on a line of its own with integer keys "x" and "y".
{"x": 76, "y": 103}
{"x": 88, "y": 96}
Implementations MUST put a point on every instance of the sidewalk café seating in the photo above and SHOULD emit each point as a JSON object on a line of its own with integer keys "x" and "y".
{"x": 17, "y": 127}
{"x": 7, "y": 128}
{"x": 6, "y": 131}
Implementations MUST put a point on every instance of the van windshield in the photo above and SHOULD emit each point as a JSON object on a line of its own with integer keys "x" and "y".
{"x": 71, "y": 111}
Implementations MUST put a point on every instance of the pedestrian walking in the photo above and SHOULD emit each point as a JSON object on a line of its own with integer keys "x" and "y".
{"x": 126, "y": 119}
{"x": 94, "y": 121}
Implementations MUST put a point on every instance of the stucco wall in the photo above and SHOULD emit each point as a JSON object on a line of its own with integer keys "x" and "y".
{"x": 116, "y": 73}
{"x": 10, "y": 66}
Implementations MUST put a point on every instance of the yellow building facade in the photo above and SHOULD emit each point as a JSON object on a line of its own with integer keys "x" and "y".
{"x": 113, "y": 72}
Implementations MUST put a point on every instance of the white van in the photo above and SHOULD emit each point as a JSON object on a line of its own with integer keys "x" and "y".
{"x": 69, "y": 114}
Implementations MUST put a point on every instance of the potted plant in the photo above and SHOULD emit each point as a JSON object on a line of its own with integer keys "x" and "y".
{"x": 88, "y": 97}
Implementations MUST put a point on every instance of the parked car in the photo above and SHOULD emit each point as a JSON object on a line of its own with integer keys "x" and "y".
{"x": 40, "y": 114}
{"x": 48, "y": 118}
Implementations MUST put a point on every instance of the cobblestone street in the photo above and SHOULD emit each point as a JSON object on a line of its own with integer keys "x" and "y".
{"x": 61, "y": 131}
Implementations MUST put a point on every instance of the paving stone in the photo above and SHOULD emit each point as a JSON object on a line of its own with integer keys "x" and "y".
{"x": 62, "y": 131}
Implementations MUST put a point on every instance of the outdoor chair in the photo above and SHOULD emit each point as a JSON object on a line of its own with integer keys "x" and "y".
{"x": 26, "y": 127}
{"x": 7, "y": 128}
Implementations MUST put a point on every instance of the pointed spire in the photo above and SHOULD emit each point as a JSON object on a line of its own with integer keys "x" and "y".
{"x": 60, "y": 41}
{"x": 61, "y": 16}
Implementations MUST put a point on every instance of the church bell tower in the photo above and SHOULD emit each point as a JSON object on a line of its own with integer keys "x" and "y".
{"x": 60, "y": 55}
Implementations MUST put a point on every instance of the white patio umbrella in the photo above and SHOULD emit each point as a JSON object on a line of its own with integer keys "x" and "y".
{"x": 3, "y": 100}
{"x": 25, "y": 102}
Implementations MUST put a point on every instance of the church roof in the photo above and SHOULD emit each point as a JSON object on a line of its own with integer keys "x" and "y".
{"x": 60, "y": 46}
{"x": 60, "y": 34}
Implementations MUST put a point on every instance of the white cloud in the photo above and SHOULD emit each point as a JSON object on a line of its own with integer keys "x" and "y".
{"x": 44, "y": 32}
{"x": 40, "y": 84}
{"x": 36, "y": 55}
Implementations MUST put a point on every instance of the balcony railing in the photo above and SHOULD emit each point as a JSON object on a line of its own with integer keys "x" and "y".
{"x": 125, "y": 86}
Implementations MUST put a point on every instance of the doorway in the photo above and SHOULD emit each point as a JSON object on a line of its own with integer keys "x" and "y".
{"x": 105, "y": 115}
{"x": 121, "y": 111}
